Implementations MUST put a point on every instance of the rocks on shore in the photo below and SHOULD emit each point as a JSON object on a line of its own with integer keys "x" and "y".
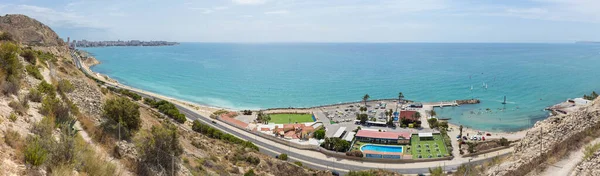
{"x": 469, "y": 101}
{"x": 589, "y": 167}
{"x": 546, "y": 137}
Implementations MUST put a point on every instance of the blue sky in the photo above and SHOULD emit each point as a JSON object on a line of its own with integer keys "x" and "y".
{"x": 318, "y": 20}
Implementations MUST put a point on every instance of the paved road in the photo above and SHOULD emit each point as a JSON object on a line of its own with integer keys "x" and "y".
{"x": 269, "y": 149}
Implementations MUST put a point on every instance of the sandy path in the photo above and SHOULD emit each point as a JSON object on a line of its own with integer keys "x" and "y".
{"x": 86, "y": 137}
{"x": 567, "y": 163}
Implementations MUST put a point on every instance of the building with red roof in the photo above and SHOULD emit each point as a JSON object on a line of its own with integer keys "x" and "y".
{"x": 409, "y": 115}
{"x": 383, "y": 137}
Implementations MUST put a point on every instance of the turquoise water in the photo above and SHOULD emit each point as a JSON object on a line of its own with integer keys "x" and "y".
{"x": 381, "y": 148}
{"x": 252, "y": 76}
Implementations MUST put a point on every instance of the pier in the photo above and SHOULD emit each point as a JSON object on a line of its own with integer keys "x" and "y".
{"x": 441, "y": 104}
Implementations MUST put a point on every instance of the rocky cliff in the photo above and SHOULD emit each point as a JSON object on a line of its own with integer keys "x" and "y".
{"x": 548, "y": 137}
{"x": 29, "y": 31}
{"x": 589, "y": 167}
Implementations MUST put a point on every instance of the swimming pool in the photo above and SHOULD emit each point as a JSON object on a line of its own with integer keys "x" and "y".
{"x": 381, "y": 148}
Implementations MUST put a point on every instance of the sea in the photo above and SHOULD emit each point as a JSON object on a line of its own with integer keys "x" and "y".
{"x": 268, "y": 75}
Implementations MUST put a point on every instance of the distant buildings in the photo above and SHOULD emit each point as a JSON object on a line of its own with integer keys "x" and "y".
{"x": 85, "y": 43}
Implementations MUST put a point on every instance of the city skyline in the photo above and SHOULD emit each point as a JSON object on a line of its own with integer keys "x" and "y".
{"x": 242, "y": 21}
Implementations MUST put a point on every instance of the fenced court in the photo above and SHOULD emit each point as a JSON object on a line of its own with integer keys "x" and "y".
{"x": 291, "y": 118}
{"x": 428, "y": 148}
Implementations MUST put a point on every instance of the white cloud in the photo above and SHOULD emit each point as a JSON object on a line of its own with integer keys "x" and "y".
{"x": 551, "y": 10}
{"x": 249, "y": 2}
{"x": 277, "y": 12}
{"x": 246, "y": 16}
{"x": 202, "y": 10}
{"x": 221, "y": 8}
{"x": 52, "y": 17}
{"x": 208, "y": 10}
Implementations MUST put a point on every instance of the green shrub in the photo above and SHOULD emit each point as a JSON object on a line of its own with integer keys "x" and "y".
{"x": 320, "y": 134}
{"x": 217, "y": 134}
{"x": 166, "y": 108}
{"x": 34, "y": 152}
{"x": 250, "y": 173}
{"x": 10, "y": 86}
{"x": 47, "y": 89}
{"x": 53, "y": 107}
{"x": 10, "y": 65}
{"x": 35, "y": 95}
{"x": 122, "y": 111}
{"x": 590, "y": 150}
{"x": 12, "y": 117}
{"x": 46, "y": 56}
{"x": 12, "y": 138}
{"x": 298, "y": 163}
{"x": 20, "y": 106}
{"x": 5, "y": 36}
{"x": 30, "y": 56}
{"x": 65, "y": 86}
{"x": 503, "y": 142}
{"x": 283, "y": 156}
{"x": 437, "y": 171}
{"x": 34, "y": 71}
{"x": 158, "y": 148}
{"x": 355, "y": 153}
{"x": 252, "y": 160}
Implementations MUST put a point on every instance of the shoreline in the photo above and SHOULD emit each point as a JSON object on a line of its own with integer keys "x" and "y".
{"x": 209, "y": 109}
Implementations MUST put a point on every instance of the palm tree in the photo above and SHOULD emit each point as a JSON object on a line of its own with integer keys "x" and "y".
{"x": 400, "y": 98}
{"x": 365, "y": 98}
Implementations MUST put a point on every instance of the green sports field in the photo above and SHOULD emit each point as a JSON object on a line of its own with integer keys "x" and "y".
{"x": 290, "y": 118}
{"x": 428, "y": 149}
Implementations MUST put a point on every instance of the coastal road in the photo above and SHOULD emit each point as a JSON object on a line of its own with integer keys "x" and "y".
{"x": 270, "y": 148}
{"x": 305, "y": 156}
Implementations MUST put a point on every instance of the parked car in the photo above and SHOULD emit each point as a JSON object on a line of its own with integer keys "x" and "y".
{"x": 335, "y": 173}
{"x": 488, "y": 134}
{"x": 483, "y": 138}
{"x": 458, "y": 136}
{"x": 465, "y": 137}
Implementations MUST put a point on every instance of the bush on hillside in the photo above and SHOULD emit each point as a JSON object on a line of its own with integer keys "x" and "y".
{"x": 35, "y": 154}
{"x": 355, "y": 153}
{"x": 53, "y": 107}
{"x": 158, "y": 149}
{"x": 65, "y": 86}
{"x": 5, "y": 36}
{"x": 122, "y": 111}
{"x": 35, "y": 95}
{"x": 20, "y": 106}
{"x": 217, "y": 134}
{"x": 283, "y": 156}
{"x": 46, "y": 56}
{"x": 30, "y": 56}
{"x": 34, "y": 71}
{"x": 12, "y": 139}
{"x": 166, "y": 108}
{"x": 47, "y": 89}
{"x": 9, "y": 62}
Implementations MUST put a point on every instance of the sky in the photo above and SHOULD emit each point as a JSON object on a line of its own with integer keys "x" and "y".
{"x": 317, "y": 20}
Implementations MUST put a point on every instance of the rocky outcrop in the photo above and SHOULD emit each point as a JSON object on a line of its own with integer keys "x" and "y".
{"x": 123, "y": 149}
{"x": 469, "y": 101}
{"x": 547, "y": 137}
{"x": 86, "y": 96}
{"x": 29, "y": 31}
{"x": 589, "y": 167}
